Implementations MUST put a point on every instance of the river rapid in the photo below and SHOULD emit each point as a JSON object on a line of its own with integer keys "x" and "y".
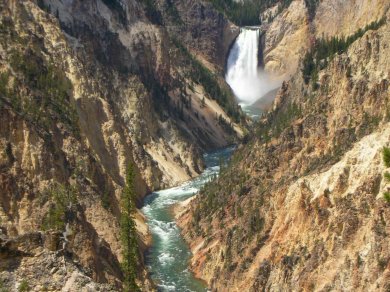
{"x": 169, "y": 256}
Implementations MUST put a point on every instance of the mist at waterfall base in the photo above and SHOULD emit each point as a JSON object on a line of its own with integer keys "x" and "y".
{"x": 248, "y": 82}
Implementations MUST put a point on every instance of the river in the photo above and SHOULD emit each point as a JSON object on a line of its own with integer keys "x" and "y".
{"x": 169, "y": 256}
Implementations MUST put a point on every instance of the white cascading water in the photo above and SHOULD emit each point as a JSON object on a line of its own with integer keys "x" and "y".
{"x": 247, "y": 81}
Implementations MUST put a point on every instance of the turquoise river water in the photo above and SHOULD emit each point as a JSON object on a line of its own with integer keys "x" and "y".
{"x": 169, "y": 256}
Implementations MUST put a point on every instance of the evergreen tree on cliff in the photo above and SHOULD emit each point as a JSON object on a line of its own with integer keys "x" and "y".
{"x": 129, "y": 233}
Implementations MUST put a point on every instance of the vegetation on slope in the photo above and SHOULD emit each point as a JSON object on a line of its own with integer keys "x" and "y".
{"x": 152, "y": 13}
{"x": 63, "y": 200}
{"x": 280, "y": 122}
{"x": 203, "y": 76}
{"x": 115, "y": 5}
{"x": 386, "y": 156}
{"x": 33, "y": 86}
{"x": 247, "y": 13}
{"x": 231, "y": 212}
{"x": 311, "y": 6}
{"x": 172, "y": 12}
{"x": 129, "y": 233}
{"x": 50, "y": 87}
{"x": 386, "y": 161}
{"x": 210, "y": 212}
{"x": 325, "y": 49}
{"x": 244, "y": 13}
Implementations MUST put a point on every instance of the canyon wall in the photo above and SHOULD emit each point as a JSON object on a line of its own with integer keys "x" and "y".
{"x": 301, "y": 206}
{"x": 294, "y": 29}
{"x": 87, "y": 89}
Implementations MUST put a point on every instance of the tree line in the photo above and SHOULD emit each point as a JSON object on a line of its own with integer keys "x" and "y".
{"x": 326, "y": 48}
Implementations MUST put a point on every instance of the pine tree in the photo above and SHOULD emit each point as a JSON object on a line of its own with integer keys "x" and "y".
{"x": 41, "y": 4}
{"x": 386, "y": 156}
{"x": 128, "y": 233}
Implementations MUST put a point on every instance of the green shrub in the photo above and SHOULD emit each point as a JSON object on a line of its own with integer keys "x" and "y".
{"x": 311, "y": 7}
{"x": 386, "y": 156}
{"x": 173, "y": 13}
{"x": 4, "y": 76}
{"x": 3, "y": 288}
{"x": 106, "y": 200}
{"x": 23, "y": 287}
{"x": 387, "y": 176}
{"x": 62, "y": 200}
{"x": 386, "y": 196}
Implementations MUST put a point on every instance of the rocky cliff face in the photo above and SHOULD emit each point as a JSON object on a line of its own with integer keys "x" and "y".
{"x": 294, "y": 29}
{"x": 88, "y": 87}
{"x": 205, "y": 31}
{"x": 301, "y": 206}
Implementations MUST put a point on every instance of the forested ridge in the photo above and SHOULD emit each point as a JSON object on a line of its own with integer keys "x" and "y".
{"x": 245, "y": 13}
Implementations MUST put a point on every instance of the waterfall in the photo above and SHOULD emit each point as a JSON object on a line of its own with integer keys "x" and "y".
{"x": 248, "y": 82}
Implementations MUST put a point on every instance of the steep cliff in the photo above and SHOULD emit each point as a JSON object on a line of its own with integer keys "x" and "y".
{"x": 87, "y": 88}
{"x": 201, "y": 28}
{"x": 289, "y": 32}
{"x": 301, "y": 207}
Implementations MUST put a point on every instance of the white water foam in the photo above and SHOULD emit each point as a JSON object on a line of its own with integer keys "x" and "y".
{"x": 169, "y": 256}
{"x": 163, "y": 229}
{"x": 247, "y": 81}
{"x": 166, "y": 258}
{"x": 165, "y": 287}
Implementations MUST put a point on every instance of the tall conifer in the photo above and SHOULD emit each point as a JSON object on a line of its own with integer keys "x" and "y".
{"x": 129, "y": 233}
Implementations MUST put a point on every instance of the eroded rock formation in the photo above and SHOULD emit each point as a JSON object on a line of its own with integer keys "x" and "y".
{"x": 87, "y": 88}
{"x": 301, "y": 206}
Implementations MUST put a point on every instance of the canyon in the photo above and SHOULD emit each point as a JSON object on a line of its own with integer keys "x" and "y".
{"x": 302, "y": 205}
{"x": 92, "y": 89}
{"x": 87, "y": 88}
